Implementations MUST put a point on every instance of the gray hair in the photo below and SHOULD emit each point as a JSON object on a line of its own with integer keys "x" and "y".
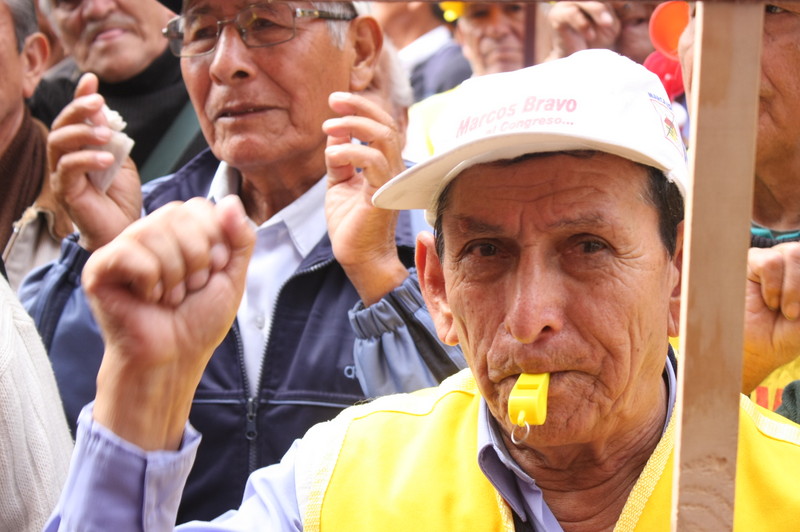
{"x": 23, "y": 13}
{"x": 401, "y": 94}
{"x": 336, "y": 28}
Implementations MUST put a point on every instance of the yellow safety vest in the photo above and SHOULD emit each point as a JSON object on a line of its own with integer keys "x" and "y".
{"x": 409, "y": 463}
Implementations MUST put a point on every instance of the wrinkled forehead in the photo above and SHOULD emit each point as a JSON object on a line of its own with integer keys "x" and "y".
{"x": 569, "y": 180}
{"x": 216, "y": 6}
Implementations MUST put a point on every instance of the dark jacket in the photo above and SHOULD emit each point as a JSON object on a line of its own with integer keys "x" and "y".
{"x": 307, "y": 374}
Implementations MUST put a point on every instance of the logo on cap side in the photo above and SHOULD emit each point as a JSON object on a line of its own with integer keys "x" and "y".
{"x": 667, "y": 118}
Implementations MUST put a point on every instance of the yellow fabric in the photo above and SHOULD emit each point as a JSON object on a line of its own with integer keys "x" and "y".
{"x": 422, "y": 116}
{"x": 409, "y": 463}
{"x": 396, "y": 472}
{"x": 767, "y": 470}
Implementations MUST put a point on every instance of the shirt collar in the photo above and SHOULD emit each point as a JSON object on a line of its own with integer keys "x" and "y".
{"x": 424, "y": 47}
{"x": 505, "y": 474}
{"x": 304, "y": 217}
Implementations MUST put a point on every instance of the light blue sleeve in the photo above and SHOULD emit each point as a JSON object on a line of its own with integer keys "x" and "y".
{"x": 114, "y": 485}
{"x": 397, "y": 349}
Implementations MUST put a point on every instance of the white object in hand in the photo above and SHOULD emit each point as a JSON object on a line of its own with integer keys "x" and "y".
{"x": 119, "y": 146}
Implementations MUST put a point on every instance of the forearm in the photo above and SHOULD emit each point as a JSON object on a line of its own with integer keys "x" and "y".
{"x": 374, "y": 279}
{"x": 148, "y": 407}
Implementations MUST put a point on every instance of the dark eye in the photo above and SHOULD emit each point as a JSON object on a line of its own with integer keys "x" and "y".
{"x": 200, "y": 28}
{"x": 512, "y": 9}
{"x": 486, "y": 250}
{"x": 67, "y": 5}
{"x": 259, "y": 24}
{"x": 773, "y": 10}
{"x": 479, "y": 13}
{"x": 592, "y": 246}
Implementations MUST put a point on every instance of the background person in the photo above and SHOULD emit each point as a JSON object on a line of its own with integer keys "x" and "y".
{"x": 619, "y": 26}
{"x": 32, "y": 223}
{"x": 776, "y": 193}
{"x": 432, "y": 59}
{"x": 296, "y": 355}
{"x": 120, "y": 41}
{"x": 35, "y": 446}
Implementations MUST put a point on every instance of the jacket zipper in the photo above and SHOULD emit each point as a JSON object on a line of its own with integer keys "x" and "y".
{"x": 251, "y": 425}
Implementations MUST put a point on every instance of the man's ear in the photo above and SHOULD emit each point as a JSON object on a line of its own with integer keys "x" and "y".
{"x": 368, "y": 41}
{"x": 674, "y": 324}
{"x": 431, "y": 282}
{"x": 35, "y": 52}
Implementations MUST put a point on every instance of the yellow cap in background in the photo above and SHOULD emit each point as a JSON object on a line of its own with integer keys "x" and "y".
{"x": 452, "y": 10}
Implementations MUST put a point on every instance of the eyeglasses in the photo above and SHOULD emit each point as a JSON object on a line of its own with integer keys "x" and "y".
{"x": 258, "y": 24}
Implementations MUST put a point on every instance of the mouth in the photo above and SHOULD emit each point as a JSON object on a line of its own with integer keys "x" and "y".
{"x": 107, "y": 33}
{"x": 240, "y": 111}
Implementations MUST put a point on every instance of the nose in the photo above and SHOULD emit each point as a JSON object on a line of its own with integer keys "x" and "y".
{"x": 231, "y": 58}
{"x": 97, "y": 9}
{"x": 499, "y": 22}
{"x": 537, "y": 301}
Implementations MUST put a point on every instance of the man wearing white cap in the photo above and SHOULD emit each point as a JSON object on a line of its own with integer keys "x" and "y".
{"x": 556, "y": 267}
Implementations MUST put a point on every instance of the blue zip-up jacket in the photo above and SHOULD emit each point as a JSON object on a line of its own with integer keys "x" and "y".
{"x": 308, "y": 373}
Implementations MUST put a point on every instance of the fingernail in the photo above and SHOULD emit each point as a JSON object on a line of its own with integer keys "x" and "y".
{"x": 792, "y": 311}
{"x": 102, "y": 133}
{"x": 94, "y": 99}
{"x": 104, "y": 158}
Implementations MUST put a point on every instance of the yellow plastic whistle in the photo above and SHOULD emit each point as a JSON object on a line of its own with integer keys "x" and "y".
{"x": 527, "y": 402}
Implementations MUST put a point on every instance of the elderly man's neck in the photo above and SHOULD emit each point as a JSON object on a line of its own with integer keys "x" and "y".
{"x": 10, "y": 128}
{"x": 265, "y": 191}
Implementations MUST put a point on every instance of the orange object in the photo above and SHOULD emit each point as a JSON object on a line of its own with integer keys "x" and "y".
{"x": 666, "y": 25}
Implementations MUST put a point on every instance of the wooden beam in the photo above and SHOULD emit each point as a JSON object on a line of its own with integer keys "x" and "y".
{"x": 724, "y": 107}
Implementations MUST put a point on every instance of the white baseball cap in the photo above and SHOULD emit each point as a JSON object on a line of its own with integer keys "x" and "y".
{"x": 591, "y": 100}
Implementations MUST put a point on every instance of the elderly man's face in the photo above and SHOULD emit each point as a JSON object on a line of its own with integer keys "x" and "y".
{"x": 261, "y": 106}
{"x": 115, "y": 39}
{"x": 779, "y": 109}
{"x": 555, "y": 264}
{"x": 492, "y": 37}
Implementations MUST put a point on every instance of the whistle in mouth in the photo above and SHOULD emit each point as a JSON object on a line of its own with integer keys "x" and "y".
{"x": 527, "y": 402}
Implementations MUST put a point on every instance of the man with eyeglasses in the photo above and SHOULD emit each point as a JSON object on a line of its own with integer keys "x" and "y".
{"x": 260, "y": 77}
{"x": 120, "y": 42}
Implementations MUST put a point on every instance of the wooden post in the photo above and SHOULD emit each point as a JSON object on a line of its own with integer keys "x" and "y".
{"x": 724, "y": 107}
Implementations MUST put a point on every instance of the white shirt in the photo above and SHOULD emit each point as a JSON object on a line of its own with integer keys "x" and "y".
{"x": 423, "y": 47}
{"x": 282, "y": 242}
